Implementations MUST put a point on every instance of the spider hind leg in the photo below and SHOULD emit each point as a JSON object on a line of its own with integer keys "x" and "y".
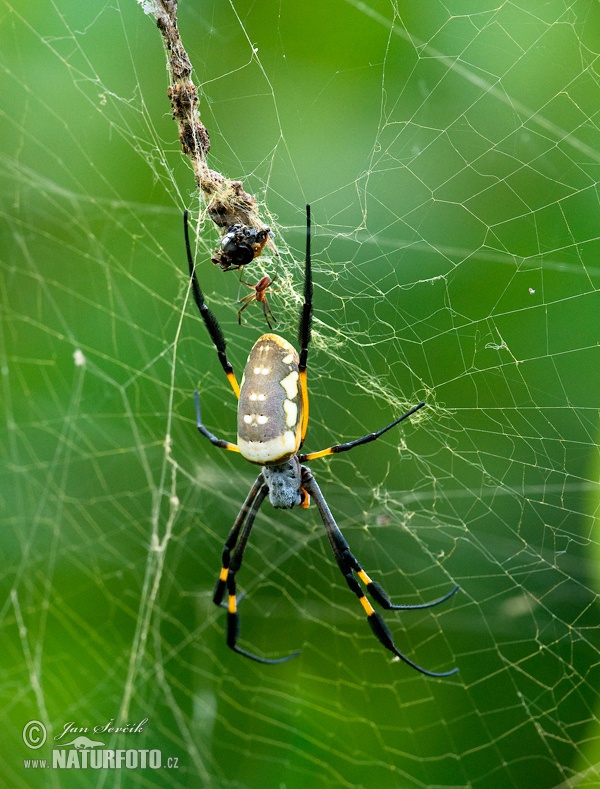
{"x": 381, "y": 597}
{"x": 233, "y": 631}
{"x": 232, "y": 556}
{"x": 349, "y": 565}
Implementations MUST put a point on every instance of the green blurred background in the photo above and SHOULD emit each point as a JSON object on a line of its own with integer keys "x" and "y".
{"x": 450, "y": 153}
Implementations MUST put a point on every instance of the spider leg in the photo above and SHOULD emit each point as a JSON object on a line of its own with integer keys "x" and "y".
{"x": 248, "y": 299}
{"x": 337, "y": 448}
{"x": 232, "y": 538}
{"x": 208, "y": 317}
{"x": 348, "y": 566}
{"x": 233, "y": 554}
{"x": 217, "y": 442}
{"x": 267, "y": 312}
{"x": 380, "y": 596}
{"x": 245, "y": 302}
{"x": 304, "y": 330}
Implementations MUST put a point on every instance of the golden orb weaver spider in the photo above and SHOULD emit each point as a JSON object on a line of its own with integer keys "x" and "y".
{"x": 272, "y": 425}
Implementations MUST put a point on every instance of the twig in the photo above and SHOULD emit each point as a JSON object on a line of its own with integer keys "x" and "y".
{"x": 227, "y": 203}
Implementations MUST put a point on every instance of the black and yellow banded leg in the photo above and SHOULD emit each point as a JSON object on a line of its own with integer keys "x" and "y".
{"x": 233, "y": 627}
{"x": 207, "y": 315}
{"x": 232, "y": 538}
{"x": 304, "y": 399}
{"x": 380, "y": 596}
{"x": 337, "y": 448}
{"x": 233, "y": 554}
{"x": 304, "y": 330}
{"x": 217, "y": 442}
{"x": 348, "y": 566}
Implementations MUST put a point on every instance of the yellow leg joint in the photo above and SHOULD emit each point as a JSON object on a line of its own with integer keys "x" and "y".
{"x": 234, "y": 384}
{"x": 322, "y": 454}
{"x": 364, "y": 577}
{"x": 304, "y": 398}
{"x": 366, "y": 605}
{"x": 232, "y": 606}
{"x": 223, "y": 574}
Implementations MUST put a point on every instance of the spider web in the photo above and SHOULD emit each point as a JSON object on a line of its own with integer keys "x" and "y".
{"x": 450, "y": 154}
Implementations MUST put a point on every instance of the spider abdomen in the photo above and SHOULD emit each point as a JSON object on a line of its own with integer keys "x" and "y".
{"x": 270, "y": 404}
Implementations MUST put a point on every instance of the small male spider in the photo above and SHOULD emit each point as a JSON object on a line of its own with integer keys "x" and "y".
{"x": 272, "y": 424}
{"x": 260, "y": 295}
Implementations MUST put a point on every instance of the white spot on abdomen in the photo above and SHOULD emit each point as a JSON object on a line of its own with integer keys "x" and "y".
{"x": 259, "y": 419}
{"x": 290, "y": 384}
{"x": 291, "y": 413}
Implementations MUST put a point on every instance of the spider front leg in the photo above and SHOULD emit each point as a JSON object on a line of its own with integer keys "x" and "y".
{"x": 210, "y": 321}
{"x": 349, "y": 565}
{"x": 233, "y": 554}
